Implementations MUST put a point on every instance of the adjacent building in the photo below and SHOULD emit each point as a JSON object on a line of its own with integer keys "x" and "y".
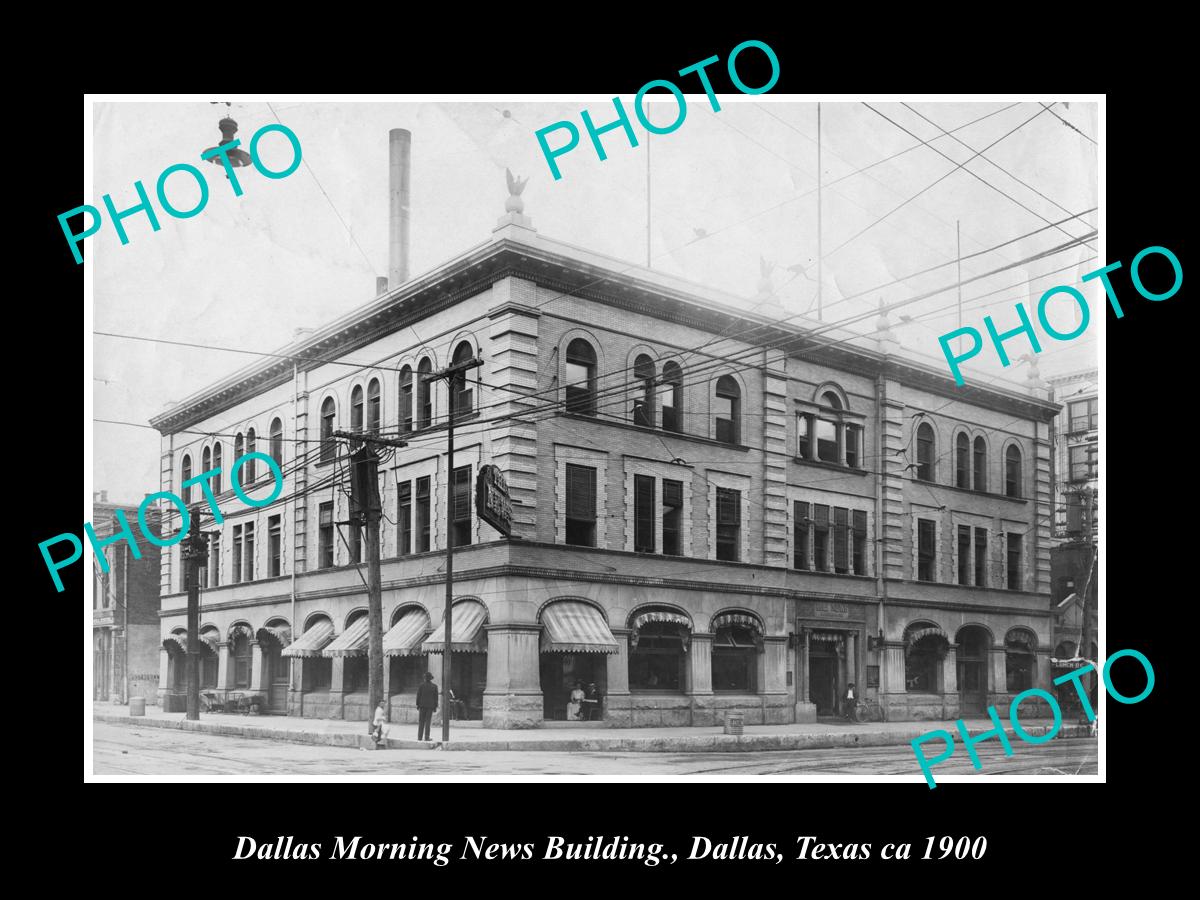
{"x": 125, "y": 607}
{"x": 714, "y": 509}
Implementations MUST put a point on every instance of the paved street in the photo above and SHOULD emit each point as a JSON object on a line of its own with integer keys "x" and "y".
{"x": 130, "y": 750}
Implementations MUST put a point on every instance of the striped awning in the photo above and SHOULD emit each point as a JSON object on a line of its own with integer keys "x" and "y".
{"x": 210, "y": 641}
{"x": 1022, "y": 640}
{"x": 660, "y": 615}
{"x": 280, "y": 634}
{"x": 570, "y": 626}
{"x": 467, "y": 636}
{"x": 912, "y": 638}
{"x": 404, "y": 638}
{"x": 352, "y": 641}
{"x": 176, "y": 643}
{"x": 736, "y": 620}
{"x": 311, "y": 642}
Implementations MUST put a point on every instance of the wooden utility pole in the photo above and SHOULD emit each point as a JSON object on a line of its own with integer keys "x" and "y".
{"x": 455, "y": 376}
{"x": 194, "y": 551}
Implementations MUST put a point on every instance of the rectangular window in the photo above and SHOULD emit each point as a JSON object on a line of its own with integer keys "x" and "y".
{"x": 1084, "y": 415}
{"x": 202, "y": 572}
{"x": 324, "y": 537}
{"x": 827, "y": 441}
{"x": 214, "y": 559}
{"x": 643, "y": 514}
{"x": 236, "y": 569}
{"x": 804, "y": 437}
{"x": 820, "y": 537}
{"x": 800, "y": 535}
{"x": 249, "y": 553}
{"x": 581, "y": 505}
{"x": 841, "y": 540}
{"x": 1014, "y": 562}
{"x": 1083, "y": 462}
{"x": 980, "y": 465}
{"x": 964, "y": 554}
{"x": 354, "y": 539}
{"x": 423, "y": 520}
{"x": 275, "y": 546}
{"x": 860, "y": 542}
{"x": 404, "y": 519}
{"x": 672, "y": 530}
{"x": 462, "y": 506}
{"x": 729, "y": 524}
{"x": 853, "y": 435}
{"x": 981, "y": 542}
{"x": 926, "y": 536}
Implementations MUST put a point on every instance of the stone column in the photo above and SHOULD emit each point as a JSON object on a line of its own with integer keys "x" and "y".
{"x": 164, "y": 677}
{"x": 513, "y": 698}
{"x": 336, "y": 690}
{"x": 806, "y": 710}
{"x": 998, "y": 695}
{"x": 224, "y": 670}
{"x": 699, "y": 680}
{"x": 617, "y": 701}
{"x": 773, "y": 681}
{"x": 950, "y": 698}
{"x": 295, "y": 687}
{"x": 852, "y": 667}
{"x": 256, "y": 669}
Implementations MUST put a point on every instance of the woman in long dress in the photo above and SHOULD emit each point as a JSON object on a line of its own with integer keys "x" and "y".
{"x": 575, "y": 702}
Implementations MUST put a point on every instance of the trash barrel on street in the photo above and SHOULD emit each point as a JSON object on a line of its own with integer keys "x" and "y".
{"x": 137, "y": 706}
{"x": 734, "y": 723}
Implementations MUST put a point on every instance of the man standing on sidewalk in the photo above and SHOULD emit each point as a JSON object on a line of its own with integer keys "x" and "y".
{"x": 849, "y": 702}
{"x": 427, "y": 701}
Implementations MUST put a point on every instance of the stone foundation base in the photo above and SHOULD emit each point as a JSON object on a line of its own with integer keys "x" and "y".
{"x": 806, "y": 711}
{"x": 512, "y": 710}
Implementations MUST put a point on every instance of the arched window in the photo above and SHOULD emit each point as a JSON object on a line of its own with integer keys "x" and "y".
{"x": 249, "y": 471}
{"x": 216, "y": 461}
{"x": 829, "y": 398}
{"x": 671, "y": 395}
{"x": 924, "y": 649}
{"x": 925, "y": 447}
{"x": 356, "y": 408}
{"x": 239, "y": 450}
{"x": 463, "y": 395}
{"x": 728, "y": 408}
{"x": 980, "y": 464}
{"x": 373, "y": 406}
{"x": 277, "y": 441}
{"x": 643, "y": 399}
{"x": 209, "y": 657}
{"x": 185, "y": 476}
{"x": 734, "y": 659}
{"x": 424, "y": 394}
{"x": 1019, "y": 659}
{"x": 406, "y": 399}
{"x": 1012, "y": 471}
{"x": 241, "y": 657}
{"x": 328, "y": 442}
{"x": 962, "y": 461}
{"x": 579, "y": 377}
{"x": 206, "y": 460}
{"x": 658, "y": 649}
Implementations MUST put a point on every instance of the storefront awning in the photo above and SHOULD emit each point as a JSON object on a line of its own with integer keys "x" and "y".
{"x": 404, "y": 638}
{"x": 280, "y": 634}
{"x": 736, "y": 620}
{"x": 352, "y": 641}
{"x": 660, "y": 615}
{"x": 467, "y": 636}
{"x": 570, "y": 626}
{"x": 1020, "y": 640}
{"x": 176, "y": 643}
{"x": 210, "y": 641}
{"x": 912, "y": 638}
{"x": 311, "y": 642}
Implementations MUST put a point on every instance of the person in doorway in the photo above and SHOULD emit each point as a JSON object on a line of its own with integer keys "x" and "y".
{"x": 379, "y": 725}
{"x": 427, "y": 702}
{"x": 591, "y": 702}
{"x": 575, "y": 701}
{"x": 849, "y": 702}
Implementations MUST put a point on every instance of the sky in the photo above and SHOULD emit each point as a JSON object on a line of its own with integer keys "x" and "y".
{"x": 728, "y": 189}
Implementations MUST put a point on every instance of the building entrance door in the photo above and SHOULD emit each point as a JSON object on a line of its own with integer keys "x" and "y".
{"x": 972, "y": 670}
{"x": 277, "y": 680}
{"x": 559, "y": 674}
{"x": 823, "y": 681}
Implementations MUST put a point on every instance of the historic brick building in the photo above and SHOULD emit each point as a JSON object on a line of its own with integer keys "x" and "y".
{"x": 713, "y": 509}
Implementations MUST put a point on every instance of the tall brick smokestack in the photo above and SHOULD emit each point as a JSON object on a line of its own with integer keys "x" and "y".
{"x": 399, "y": 164}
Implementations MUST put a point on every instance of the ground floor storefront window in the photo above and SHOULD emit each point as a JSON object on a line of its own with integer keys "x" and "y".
{"x": 734, "y": 660}
{"x": 573, "y": 683}
{"x": 405, "y": 673}
{"x": 925, "y": 646}
{"x": 656, "y": 661}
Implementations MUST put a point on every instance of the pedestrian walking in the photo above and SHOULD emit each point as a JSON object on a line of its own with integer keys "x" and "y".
{"x": 379, "y": 725}
{"x": 849, "y": 703}
{"x": 427, "y": 701}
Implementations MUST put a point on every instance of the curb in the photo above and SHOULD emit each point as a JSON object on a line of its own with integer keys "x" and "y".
{"x": 700, "y": 743}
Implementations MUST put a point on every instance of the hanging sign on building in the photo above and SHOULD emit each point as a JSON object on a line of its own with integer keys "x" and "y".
{"x": 492, "y": 503}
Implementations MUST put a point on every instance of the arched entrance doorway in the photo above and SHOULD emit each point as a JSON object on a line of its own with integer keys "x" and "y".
{"x": 574, "y": 647}
{"x": 973, "y": 644}
{"x": 826, "y": 657}
{"x": 272, "y": 639}
{"x": 469, "y": 644}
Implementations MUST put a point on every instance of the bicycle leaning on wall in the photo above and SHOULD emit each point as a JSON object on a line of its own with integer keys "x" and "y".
{"x": 868, "y": 710}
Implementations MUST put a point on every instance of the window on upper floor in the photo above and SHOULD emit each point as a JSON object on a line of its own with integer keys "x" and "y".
{"x": 820, "y": 534}
{"x": 274, "y": 547}
{"x": 925, "y": 450}
{"x": 800, "y": 533}
{"x": 249, "y": 471}
{"x": 926, "y": 537}
{"x": 328, "y": 441}
{"x": 424, "y": 393}
{"x": 980, "y": 464}
{"x": 643, "y": 397}
{"x": 581, "y": 505}
{"x": 853, "y": 445}
{"x": 404, "y": 511}
{"x": 1014, "y": 562}
{"x": 239, "y": 446}
{"x": 962, "y": 461}
{"x": 1083, "y": 462}
{"x": 460, "y": 384}
{"x": 671, "y": 394}
{"x": 374, "y": 406}
{"x": 858, "y": 527}
{"x": 356, "y": 409}
{"x": 1012, "y": 471}
{"x": 1084, "y": 414}
{"x": 406, "y": 399}
{"x": 672, "y": 529}
{"x": 216, "y": 461}
{"x": 186, "y": 476}
{"x": 214, "y": 559}
{"x": 277, "y": 441}
{"x": 579, "y": 378}
{"x": 646, "y": 518}
{"x": 729, "y": 524}
{"x": 206, "y": 460}
{"x": 424, "y": 527}
{"x": 981, "y": 544}
{"x": 643, "y": 514}
{"x": 964, "y": 554}
{"x": 462, "y": 506}
{"x": 324, "y": 536}
{"x": 728, "y": 410}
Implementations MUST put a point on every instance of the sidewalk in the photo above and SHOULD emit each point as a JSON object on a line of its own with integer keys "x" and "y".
{"x": 336, "y": 733}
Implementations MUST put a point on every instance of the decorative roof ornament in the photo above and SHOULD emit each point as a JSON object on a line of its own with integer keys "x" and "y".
{"x": 514, "y": 213}
{"x": 514, "y": 203}
{"x": 1034, "y": 383}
